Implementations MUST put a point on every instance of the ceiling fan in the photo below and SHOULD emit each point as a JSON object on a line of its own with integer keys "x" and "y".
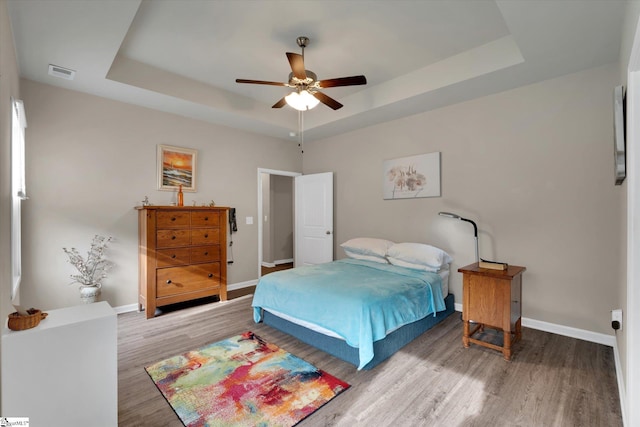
{"x": 306, "y": 85}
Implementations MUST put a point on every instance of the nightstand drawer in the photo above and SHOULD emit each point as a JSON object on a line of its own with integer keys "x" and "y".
{"x": 487, "y": 301}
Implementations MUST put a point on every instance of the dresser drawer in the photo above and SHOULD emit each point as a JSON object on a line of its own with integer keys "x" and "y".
{"x": 173, "y": 238}
{"x": 179, "y": 280}
{"x": 205, "y": 236}
{"x": 205, "y": 254}
{"x": 170, "y": 257}
{"x": 170, "y": 219}
{"x": 205, "y": 219}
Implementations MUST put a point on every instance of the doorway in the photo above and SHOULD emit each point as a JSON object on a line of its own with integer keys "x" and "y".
{"x": 275, "y": 213}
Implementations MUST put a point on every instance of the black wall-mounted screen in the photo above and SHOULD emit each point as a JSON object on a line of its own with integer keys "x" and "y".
{"x": 619, "y": 155}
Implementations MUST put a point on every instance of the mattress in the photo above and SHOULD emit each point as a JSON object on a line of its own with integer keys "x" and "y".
{"x": 444, "y": 275}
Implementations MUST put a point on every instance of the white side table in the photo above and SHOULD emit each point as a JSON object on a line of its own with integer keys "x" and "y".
{"x": 63, "y": 372}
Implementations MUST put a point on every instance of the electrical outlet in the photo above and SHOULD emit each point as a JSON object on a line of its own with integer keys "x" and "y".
{"x": 616, "y": 316}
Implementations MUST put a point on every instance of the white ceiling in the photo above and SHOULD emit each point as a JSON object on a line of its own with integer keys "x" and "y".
{"x": 183, "y": 56}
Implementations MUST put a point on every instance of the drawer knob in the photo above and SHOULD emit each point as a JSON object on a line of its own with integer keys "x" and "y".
{"x": 206, "y": 218}
{"x": 210, "y": 274}
{"x": 206, "y": 253}
{"x": 206, "y": 236}
{"x": 173, "y": 218}
{"x": 173, "y": 256}
{"x": 169, "y": 282}
{"x": 173, "y": 237}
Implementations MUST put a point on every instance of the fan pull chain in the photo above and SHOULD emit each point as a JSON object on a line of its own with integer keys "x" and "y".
{"x": 301, "y": 131}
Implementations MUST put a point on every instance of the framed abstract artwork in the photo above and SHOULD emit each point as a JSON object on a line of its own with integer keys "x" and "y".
{"x": 176, "y": 167}
{"x": 412, "y": 177}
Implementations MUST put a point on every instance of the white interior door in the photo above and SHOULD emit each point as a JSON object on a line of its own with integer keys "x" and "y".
{"x": 313, "y": 219}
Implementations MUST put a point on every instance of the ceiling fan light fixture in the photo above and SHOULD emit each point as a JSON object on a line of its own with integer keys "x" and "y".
{"x": 307, "y": 88}
{"x": 301, "y": 101}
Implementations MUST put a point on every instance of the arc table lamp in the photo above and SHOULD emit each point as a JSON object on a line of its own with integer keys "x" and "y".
{"x": 475, "y": 228}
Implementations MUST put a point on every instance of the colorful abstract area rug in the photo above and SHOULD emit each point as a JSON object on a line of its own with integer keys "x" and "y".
{"x": 243, "y": 381}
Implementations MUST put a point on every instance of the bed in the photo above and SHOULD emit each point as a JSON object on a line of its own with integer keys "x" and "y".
{"x": 359, "y": 310}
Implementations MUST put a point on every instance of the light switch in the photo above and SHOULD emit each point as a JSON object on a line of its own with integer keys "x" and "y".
{"x": 249, "y": 220}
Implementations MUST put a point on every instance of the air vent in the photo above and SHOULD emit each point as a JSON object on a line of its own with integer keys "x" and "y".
{"x": 61, "y": 72}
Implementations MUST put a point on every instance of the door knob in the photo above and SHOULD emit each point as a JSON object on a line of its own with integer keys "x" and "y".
{"x": 328, "y": 232}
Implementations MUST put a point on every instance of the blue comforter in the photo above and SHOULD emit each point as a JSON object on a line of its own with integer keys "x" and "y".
{"x": 360, "y": 301}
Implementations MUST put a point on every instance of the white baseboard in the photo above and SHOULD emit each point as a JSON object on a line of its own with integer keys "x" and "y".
{"x": 621, "y": 387}
{"x": 567, "y": 331}
{"x": 234, "y": 287}
{"x": 276, "y": 262}
{"x": 126, "y": 308}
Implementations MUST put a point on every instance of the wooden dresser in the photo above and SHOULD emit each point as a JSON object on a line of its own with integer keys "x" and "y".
{"x": 182, "y": 254}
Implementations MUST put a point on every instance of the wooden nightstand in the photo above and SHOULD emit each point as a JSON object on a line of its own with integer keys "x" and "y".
{"x": 492, "y": 298}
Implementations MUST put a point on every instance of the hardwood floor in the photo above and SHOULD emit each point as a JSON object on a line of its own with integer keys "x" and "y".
{"x": 552, "y": 380}
{"x": 285, "y": 266}
{"x": 250, "y": 289}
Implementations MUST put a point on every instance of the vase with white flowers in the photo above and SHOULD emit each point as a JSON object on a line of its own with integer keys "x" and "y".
{"x": 91, "y": 270}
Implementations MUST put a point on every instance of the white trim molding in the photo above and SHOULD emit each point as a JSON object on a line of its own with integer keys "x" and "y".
{"x": 277, "y": 262}
{"x": 126, "y": 308}
{"x": 569, "y": 331}
{"x": 241, "y": 285}
{"x": 234, "y": 287}
{"x": 622, "y": 390}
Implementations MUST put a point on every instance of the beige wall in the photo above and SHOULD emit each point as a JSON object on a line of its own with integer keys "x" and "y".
{"x": 91, "y": 160}
{"x": 532, "y": 166}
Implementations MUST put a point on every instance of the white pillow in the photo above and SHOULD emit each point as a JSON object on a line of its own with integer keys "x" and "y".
{"x": 368, "y": 246}
{"x": 419, "y": 253}
{"x": 373, "y": 258}
{"x": 412, "y": 266}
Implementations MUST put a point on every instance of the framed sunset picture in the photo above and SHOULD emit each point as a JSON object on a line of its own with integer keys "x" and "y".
{"x": 176, "y": 167}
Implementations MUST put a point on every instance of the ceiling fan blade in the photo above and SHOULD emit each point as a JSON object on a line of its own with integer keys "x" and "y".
{"x": 260, "y": 82}
{"x": 297, "y": 65}
{"x": 326, "y": 100}
{"x": 343, "y": 81}
{"x": 280, "y": 103}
